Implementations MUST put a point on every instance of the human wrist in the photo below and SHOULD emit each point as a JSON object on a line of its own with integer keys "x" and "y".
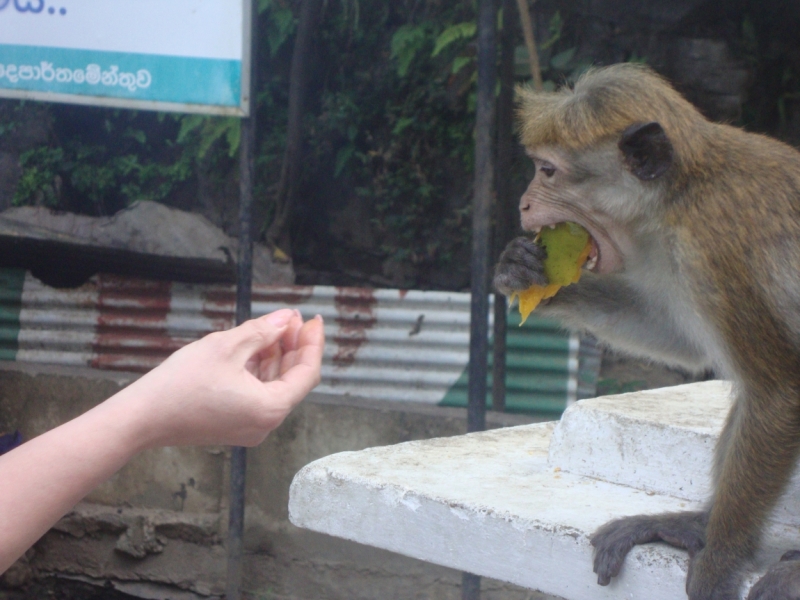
{"x": 131, "y": 411}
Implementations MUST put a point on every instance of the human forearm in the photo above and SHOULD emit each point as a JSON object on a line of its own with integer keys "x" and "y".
{"x": 231, "y": 388}
{"x": 44, "y": 478}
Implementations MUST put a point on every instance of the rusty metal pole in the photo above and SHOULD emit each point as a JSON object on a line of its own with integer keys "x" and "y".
{"x": 244, "y": 288}
{"x": 481, "y": 238}
{"x": 503, "y": 225}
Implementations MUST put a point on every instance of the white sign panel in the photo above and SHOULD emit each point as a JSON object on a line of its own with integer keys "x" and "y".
{"x": 183, "y": 55}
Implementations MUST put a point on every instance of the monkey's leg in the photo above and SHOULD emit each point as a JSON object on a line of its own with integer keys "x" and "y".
{"x": 615, "y": 539}
{"x": 757, "y": 452}
{"x": 781, "y": 582}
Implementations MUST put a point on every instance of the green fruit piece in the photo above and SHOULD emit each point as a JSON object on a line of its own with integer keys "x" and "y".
{"x": 566, "y": 246}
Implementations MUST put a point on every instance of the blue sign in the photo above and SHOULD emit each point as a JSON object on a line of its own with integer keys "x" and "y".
{"x": 185, "y": 55}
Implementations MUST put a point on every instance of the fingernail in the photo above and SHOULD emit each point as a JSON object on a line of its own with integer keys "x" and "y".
{"x": 298, "y": 313}
{"x": 319, "y": 318}
{"x": 280, "y": 317}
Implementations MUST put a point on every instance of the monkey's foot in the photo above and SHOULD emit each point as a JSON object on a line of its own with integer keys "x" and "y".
{"x": 615, "y": 539}
{"x": 781, "y": 582}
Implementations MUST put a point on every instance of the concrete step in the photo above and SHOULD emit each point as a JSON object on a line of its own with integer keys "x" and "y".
{"x": 504, "y": 504}
{"x": 658, "y": 441}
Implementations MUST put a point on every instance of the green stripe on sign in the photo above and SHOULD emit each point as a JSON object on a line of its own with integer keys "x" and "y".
{"x": 11, "y": 284}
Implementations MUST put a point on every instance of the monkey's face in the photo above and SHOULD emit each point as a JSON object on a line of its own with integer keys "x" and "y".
{"x": 610, "y": 190}
{"x": 563, "y": 191}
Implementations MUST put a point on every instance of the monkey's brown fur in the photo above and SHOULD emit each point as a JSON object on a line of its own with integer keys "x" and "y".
{"x": 727, "y": 220}
{"x": 602, "y": 104}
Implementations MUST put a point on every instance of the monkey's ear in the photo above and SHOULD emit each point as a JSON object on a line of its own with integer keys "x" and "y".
{"x": 646, "y": 150}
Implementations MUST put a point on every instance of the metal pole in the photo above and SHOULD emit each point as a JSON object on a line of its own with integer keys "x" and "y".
{"x": 481, "y": 238}
{"x": 502, "y": 213}
{"x": 244, "y": 288}
{"x": 481, "y": 218}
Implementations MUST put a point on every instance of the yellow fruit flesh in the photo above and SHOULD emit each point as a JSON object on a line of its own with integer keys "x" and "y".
{"x": 568, "y": 247}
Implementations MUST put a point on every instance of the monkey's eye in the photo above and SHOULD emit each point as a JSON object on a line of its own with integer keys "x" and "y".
{"x": 548, "y": 170}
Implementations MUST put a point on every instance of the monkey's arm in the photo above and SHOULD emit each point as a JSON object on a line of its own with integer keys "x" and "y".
{"x": 614, "y": 311}
{"x": 607, "y": 306}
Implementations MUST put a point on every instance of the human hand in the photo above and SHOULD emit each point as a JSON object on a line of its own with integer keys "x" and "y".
{"x": 231, "y": 387}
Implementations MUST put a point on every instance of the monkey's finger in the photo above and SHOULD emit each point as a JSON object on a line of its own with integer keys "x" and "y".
{"x": 524, "y": 252}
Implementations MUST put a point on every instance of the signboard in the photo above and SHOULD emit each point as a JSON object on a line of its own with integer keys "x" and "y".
{"x": 172, "y": 55}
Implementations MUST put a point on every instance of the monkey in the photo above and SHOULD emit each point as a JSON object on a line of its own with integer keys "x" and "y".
{"x": 695, "y": 262}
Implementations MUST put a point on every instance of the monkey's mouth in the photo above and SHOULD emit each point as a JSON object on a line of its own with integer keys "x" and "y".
{"x": 593, "y": 259}
{"x": 594, "y": 256}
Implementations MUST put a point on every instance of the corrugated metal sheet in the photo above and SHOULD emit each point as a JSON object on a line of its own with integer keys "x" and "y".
{"x": 382, "y": 344}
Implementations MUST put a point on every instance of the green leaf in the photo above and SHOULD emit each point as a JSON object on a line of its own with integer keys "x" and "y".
{"x": 635, "y": 58}
{"x": 402, "y": 124}
{"x": 555, "y": 26}
{"x": 561, "y": 60}
{"x": 188, "y": 124}
{"x": 214, "y": 130}
{"x": 407, "y": 41}
{"x": 137, "y": 134}
{"x": 454, "y": 33}
{"x": 201, "y": 132}
{"x": 342, "y": 157}
{"x": 281, "y": 26}
{"x": 460, "y": 62}
{"x": 234, "y": 136}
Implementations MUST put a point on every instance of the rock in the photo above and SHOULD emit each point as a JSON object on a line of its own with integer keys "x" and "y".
{"x": 147, "y": 239}
{"x": 20, "y": 573}
{"x": 139, "y": 539}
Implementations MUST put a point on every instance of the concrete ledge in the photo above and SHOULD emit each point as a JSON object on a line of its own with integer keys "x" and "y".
{"x": 492, "y": 504}
{"x": 489, "y": 504}
{"x": 659, "y": 441}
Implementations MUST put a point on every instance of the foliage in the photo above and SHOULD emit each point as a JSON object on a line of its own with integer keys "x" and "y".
{"x": 40, "y": 181}
{"x": 200, "y": 133}
{"x": 89, "y": 175}
{"x": 407, "y": 41}
{"x": 280, "y": 23}
{"x": 396, "y": 136}
{"x": 558, "y": 56}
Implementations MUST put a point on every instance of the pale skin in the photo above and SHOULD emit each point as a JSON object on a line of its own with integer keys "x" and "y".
{"x": 230, "y": 388}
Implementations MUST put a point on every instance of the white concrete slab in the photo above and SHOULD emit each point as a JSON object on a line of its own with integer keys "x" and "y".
{"x": 490, "y": 504}
{"x": 657, "y": 440}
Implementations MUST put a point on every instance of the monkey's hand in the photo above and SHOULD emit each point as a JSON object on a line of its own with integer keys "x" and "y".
{"x": 781, "y": 582}
{"x": 614, "y": 540}
{"x": 520, "y": 266}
